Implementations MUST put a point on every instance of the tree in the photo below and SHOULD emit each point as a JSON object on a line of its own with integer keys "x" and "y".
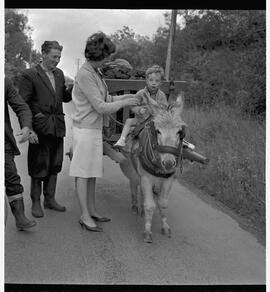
{"x": 136, "y": 49}
{"x": 18, "y": 44}
{"x": 223, "y": 55}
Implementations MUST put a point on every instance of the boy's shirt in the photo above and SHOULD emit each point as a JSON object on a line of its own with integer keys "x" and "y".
{"x": 141, "y": 111}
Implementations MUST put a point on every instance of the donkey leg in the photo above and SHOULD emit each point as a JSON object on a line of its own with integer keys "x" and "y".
{"x": 162, "y": 202}
{"x": 141, "y": 201}
{"x": 149, "y": 208}
{"x": 134, "y": 199}
{"x": 149, "y": 211}
{"x": 165, "y": 228}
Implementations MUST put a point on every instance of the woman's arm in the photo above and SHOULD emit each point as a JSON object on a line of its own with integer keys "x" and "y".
{"x": 113, "y": 98}
{"x": 89, "y": 87}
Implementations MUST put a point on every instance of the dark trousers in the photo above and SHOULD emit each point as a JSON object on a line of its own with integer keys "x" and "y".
{"x": 44, "y": 163}
{"x": 49, "y": 187}
{"x": 45, "y": 158}
{"x": 12, "y": 179}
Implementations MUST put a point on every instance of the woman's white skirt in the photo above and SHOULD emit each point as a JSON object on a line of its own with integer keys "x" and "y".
{"x": 87, "y": 160}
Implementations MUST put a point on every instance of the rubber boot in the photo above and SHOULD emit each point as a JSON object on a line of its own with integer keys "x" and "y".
{"x": 49, "y": 194}
{"x": 35, "y": 196}
{"x": 17, "y": 209}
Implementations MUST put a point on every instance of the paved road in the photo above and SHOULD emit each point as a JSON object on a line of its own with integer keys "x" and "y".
{"x": 207, "y": 246}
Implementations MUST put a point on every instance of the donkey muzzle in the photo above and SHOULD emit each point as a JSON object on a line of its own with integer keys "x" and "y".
{"x": 168, "y": 164}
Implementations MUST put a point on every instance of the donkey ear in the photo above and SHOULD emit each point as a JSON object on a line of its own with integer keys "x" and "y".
{"x": 152, "y": 105}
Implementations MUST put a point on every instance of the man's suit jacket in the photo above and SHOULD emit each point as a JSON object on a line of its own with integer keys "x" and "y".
{"x": 45, "y": 102}
{"x": 22, "y": 111}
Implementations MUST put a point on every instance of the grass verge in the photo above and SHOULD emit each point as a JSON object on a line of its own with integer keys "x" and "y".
{"x": 236, "y": 148}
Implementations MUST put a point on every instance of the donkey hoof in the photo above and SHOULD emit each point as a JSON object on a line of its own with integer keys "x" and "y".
{"x": 166, "y": 231}
{"x": 147, "y": 237}
{"x": 135, "y": 210}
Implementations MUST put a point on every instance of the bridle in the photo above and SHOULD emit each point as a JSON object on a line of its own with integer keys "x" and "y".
{"x": 149, "y": 150}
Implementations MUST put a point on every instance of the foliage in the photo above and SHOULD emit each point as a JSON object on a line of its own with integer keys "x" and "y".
{"x": 18, "y": 44}
{"x": 132, "y": 47}
{"x": 221, "y": 53}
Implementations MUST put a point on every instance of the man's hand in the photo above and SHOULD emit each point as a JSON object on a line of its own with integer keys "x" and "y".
{"x": 70, "y": 86}
{"x": 25, "y": 133}
{"x": 33, "y": 137}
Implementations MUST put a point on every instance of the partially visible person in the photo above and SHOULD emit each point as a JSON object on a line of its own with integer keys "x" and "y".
{"x": 92, "y": 102}
{"x": 151, "y": 93}
{"x": 43, "y": 88}
{"x": 13, "y": 187}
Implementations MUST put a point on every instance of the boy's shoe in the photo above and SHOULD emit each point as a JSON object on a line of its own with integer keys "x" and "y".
{"x": 120, "y": 143}
{"x": 188, "y": 145}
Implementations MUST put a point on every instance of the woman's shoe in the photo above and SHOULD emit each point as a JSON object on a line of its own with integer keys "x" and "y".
{"x": 89, "y": 228}
{"x": 101, "y": 219}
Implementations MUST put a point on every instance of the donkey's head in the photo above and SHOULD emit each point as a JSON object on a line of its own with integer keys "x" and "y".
{"x": 169, "y": 129}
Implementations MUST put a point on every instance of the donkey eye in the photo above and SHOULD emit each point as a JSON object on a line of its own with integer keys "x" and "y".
{"x": 158, "y": 132}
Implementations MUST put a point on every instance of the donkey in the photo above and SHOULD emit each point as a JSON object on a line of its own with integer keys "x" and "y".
{"x": 152, "y": 164}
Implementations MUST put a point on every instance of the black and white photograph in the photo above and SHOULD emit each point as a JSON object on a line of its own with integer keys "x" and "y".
{"x": 135, "y": 148}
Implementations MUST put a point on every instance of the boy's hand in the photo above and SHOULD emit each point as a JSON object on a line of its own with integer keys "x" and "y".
{"x": 142, "y": 111}
{"x": 139, "y": 96}
{"x": 33, "y": 137}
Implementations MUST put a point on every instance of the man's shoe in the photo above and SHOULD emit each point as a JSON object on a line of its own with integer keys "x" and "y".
{"x": 52, "y": 204}
{"x": 37, "y": 210}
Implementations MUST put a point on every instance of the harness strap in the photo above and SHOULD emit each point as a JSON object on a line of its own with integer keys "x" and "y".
{"x": 139, "y": 128}
{"x": 155, "y": 172}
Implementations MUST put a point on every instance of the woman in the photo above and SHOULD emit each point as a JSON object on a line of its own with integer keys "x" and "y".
{"x": 91, "y": 100}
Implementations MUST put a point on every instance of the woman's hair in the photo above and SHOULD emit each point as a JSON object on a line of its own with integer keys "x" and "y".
{"x": 47, "y": 45}
{"x": 154, "y": 69}
{"x": 98, "y": 47}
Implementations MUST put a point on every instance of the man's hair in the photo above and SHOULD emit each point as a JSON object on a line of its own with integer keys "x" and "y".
{"x": 98, "y": 47}
{"x": 47, "y": 45}
{"x": 154, "y": 69}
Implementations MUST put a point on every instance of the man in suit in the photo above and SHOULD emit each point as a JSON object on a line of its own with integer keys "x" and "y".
{"x": 43, "y": 88}
{"x": 13, "y": 187}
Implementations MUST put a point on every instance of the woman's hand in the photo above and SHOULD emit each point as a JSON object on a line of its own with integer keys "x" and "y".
{"x": 129, "y": 95}
{"x": 131, "y": 101}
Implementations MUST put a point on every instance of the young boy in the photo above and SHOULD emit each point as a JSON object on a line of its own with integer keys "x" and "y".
{"x": 153, "y": 77}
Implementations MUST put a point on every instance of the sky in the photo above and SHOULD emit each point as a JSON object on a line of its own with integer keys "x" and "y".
{"x": 71, "y": 28}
